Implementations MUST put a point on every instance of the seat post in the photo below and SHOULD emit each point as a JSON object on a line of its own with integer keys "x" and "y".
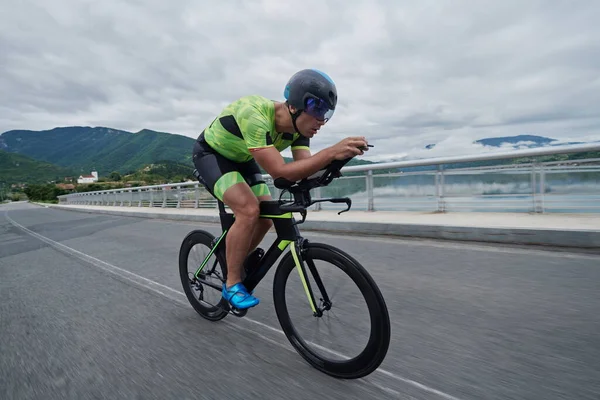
{"x": 221, "y": 206}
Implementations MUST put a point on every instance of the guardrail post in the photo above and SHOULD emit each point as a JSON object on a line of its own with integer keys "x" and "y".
{"x": 196, "y": 196}
{"x": 164, "y": 203}
{"x": 178, "y": 196}
{"x": 542, "y": 187}
{"x": 533, "y": 191}
{"x": 318, "y": 196}
{"x": 370, "y": 200}
{"x": 439, "y": 188}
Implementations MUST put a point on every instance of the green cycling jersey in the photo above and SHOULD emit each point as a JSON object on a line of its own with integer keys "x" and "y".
{"x": 248, "y": 124}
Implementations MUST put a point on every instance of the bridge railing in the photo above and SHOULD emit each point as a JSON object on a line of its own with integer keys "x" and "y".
{"x": 436, "y": 185}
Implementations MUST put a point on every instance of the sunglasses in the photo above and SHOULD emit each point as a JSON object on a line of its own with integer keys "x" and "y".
{"x": 318, "y": 109}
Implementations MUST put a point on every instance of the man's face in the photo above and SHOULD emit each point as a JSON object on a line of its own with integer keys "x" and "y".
{"x": 308, "y": 125}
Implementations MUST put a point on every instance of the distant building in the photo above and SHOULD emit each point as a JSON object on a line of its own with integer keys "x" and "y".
{"x": 88, "y": 178}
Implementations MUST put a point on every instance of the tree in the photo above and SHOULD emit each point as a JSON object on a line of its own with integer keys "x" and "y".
{"x": 115, "y": 176}
{"x": 48, "y": 192}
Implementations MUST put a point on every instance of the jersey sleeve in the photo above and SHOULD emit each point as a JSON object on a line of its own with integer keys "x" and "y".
{"x": 255, "y": 128}
{"x": 301, "y": 143}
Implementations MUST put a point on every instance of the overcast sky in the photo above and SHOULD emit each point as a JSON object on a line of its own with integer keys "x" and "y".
{"x": 409, "y": 73}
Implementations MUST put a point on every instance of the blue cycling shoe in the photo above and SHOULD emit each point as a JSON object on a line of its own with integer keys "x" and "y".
{"x": 239, "y": 297}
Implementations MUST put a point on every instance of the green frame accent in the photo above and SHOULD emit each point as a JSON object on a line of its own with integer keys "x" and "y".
{"x": 286, "y": 215}
{"x": 210, "y": 254}
{"x": 302, "y": 273}
{"x": 283, "y": 244}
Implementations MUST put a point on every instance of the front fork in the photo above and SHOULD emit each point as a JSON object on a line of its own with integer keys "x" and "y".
{"x": 299, "y": 253}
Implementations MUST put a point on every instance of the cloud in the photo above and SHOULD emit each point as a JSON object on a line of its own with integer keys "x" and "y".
{"x": 408, "y": 73}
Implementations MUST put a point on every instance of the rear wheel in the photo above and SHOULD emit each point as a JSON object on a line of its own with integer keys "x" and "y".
{"x": 364, "y": 332}
{"x": 202, "y": 286}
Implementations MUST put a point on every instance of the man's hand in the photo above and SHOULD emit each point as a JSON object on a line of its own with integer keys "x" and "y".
{"x": 349, "y": 147}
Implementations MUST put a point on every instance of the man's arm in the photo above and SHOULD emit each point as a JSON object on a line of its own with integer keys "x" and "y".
{"x": 300, "y": 154}
{"x": 273, "y": 163}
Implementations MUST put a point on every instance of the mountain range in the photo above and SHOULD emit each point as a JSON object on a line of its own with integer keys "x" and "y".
{"x": 83, "y": 149}
{"x": 42, "y": 156}
{"x": 17, "y": 168}
{"x": 517, "y": 142}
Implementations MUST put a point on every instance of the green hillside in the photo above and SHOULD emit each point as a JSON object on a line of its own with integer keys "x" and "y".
{"x": 102, "y": 149}
{"x": 16, "y": 168}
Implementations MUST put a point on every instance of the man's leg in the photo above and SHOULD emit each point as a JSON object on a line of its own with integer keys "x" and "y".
{"x": 241, "y": 235}
{"x": 262, "y": 227}
{"x": 223, "y": 179}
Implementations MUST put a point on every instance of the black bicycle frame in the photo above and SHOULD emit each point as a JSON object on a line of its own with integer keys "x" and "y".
{"x": 288, "y": 235}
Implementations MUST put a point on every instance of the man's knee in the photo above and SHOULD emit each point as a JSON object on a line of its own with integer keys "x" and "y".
{"x": 243, "y": 203}
{"x": 250, "y": 211}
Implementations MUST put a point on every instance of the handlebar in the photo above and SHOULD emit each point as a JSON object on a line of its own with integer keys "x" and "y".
{"x": 321, "y": 178}
{"x": 301, "y": 189}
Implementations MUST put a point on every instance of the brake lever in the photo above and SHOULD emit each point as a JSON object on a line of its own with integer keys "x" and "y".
{"x": 346, "y": 200}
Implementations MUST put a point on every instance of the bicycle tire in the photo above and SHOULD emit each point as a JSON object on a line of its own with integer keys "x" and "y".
{"x": 216, "y": 312}
{"x": 369, "y": 359}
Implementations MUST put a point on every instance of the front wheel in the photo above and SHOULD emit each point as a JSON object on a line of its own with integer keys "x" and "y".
{"x": 340, "y": 286}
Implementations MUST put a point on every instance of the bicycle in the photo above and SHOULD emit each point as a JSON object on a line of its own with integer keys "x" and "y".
{"x": 301, "y": 254}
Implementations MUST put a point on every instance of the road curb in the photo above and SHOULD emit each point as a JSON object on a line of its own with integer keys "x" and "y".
{"x": 588, "y": 239}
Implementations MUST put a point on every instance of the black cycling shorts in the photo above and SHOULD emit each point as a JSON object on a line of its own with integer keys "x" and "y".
{"x": 218, "y": 173}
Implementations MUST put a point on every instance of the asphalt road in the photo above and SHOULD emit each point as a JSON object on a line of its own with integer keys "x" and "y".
{"x": 92, "y": 308}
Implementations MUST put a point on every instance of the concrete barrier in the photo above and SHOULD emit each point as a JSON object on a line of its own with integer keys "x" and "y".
{"x": 575, "y": 231}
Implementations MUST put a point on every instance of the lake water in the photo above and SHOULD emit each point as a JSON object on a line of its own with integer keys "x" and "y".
{"x": 565, "y": 196}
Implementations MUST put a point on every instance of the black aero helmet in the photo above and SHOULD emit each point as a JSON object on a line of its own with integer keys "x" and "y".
{"x": 313, "y": 92}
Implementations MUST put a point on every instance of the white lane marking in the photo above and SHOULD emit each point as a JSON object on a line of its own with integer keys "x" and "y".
{"x": 383, "y": 371}
{"x": 154, "y": 286}
{"x": 150, "y": 284}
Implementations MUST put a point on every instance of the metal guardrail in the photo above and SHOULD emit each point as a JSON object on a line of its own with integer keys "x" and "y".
{"x": 558, "y": 186}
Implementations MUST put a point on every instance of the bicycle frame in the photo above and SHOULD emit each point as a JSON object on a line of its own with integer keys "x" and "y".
{"x": 288, "y": 235}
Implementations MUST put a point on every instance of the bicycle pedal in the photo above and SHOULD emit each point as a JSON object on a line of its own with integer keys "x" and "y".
{"x": 239, "y": 313}
{"x": 233, "y": 310}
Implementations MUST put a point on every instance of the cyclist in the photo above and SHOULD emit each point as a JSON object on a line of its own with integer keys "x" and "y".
{"x": 252, "y": 131}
